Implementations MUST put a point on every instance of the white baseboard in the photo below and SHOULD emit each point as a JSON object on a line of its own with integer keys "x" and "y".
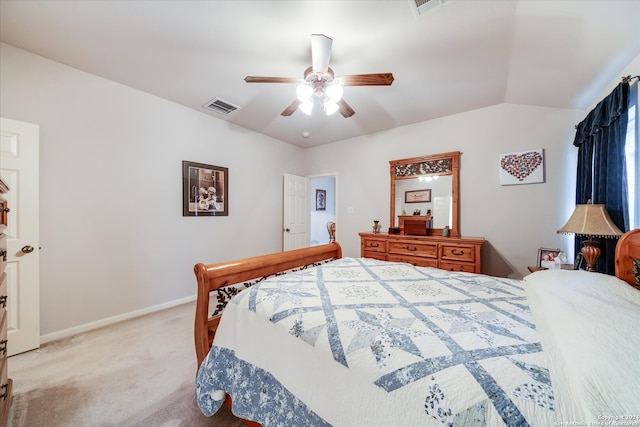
{"x": 112, "y": 320}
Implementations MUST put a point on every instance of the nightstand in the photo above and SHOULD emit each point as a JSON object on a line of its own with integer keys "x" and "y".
{"x": 533, "y": 268}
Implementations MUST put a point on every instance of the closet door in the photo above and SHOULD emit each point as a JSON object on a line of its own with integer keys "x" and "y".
{"x": 19, "y": 168}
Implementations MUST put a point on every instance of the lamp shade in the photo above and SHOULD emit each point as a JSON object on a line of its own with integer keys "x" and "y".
{"x": 304, "y": 92}
{"x": 591, "y": 220}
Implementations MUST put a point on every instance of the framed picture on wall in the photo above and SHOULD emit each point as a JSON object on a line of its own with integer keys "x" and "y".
{"x": 522, "y": 167}
{"x": 205, "y": 189}
{"x": 417, "y": 196}
{"x": 321, "y": 200}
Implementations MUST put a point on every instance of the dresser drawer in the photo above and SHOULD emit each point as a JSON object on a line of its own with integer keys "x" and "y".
{"x": 452, "y": 266}
{"x": 3, "y": 333}
{"x": 373, "y": 245}
{"x": 457, "y": 252}
{"x": 3, "y": 290}
{"x": 3, "y": 252}
{"x": 5, "y": 384}
{"x": 447, "y": 253}
{"x": 3, "y": 213}
{"x": 5, "y": 395}
{"x": 414, "y": 260}
{"x": 374, "y": 255}
{"x": 421, "y": 249}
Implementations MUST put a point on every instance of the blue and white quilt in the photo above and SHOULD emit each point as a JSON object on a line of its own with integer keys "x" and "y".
{"x": 361, "y": 342}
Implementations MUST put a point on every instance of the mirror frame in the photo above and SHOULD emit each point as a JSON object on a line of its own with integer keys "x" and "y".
{"x": 435, "y": 164}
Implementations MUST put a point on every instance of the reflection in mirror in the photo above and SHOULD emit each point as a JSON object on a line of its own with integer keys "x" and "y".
{"x": 430, "y": 185}
{"x": 439, "y": 204}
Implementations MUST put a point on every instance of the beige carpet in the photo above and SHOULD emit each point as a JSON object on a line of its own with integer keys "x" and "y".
{"x": 137, "y": 373}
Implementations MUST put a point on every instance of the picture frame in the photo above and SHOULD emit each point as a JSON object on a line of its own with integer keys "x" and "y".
{"x": 205, "y": 189}
{"x": 547, "y": 256}
{"x": 321, "y": 200}
{"x": 578, "y": 261}
{"x": 522, "y": 167}
{"x": 417, "y": 196}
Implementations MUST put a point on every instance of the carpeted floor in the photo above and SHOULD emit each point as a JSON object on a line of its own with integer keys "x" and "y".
{"x": 136, "y": 373}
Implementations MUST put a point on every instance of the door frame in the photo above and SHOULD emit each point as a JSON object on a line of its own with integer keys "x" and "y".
{"x": 335, "y": 189}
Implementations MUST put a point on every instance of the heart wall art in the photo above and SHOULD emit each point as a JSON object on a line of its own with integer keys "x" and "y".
{"x": 522, "y": 167}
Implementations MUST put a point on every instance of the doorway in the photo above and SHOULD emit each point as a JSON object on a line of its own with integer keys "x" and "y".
{"x": 323, "y": 206}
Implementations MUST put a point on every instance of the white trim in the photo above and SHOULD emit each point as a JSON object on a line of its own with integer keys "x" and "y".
{"x": 113, "y": 320}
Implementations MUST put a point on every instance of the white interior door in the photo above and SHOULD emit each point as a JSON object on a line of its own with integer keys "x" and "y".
{"x": 295, "y": 221}
{"x": 19, "y": 166}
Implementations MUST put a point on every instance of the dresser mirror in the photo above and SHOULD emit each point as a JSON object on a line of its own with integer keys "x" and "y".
{"x": 426, "y": 185}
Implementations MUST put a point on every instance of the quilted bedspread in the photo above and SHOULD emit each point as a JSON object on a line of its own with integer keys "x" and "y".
{"x": 360, "y": 342}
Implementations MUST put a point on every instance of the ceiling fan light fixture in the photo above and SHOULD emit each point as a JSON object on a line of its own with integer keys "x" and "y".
{"x": 320, "y": 83}
{"x": 306, "y": 107}
{"x": 330, "y": 107}
{"x": 304, "y": 92}
{"x": 334, "y": 92}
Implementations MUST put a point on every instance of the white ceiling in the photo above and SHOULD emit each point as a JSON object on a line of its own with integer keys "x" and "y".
{"x": 457, "y": 57}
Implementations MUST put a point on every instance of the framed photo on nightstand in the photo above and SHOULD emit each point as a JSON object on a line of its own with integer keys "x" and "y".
{"x": 547, "y": 257}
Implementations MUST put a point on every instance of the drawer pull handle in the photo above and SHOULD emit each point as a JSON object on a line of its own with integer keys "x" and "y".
{"x": 413, "y": 249}
{"x": 374, "y": 245}
{"x": 454, "y": 252}
{"x": 7, "y": 210}
{"x": 3, "y": 255}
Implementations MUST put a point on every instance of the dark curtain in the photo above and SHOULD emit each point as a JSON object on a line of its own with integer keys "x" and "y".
{"x": 601, "y": 174}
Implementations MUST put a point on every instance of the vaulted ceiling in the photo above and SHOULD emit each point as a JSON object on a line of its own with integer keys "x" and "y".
{"x": 457, "y": 56}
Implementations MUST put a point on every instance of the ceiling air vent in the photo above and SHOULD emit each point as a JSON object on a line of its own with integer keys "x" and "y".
{"x": 423, "y": 6}
{"x": 221, "y": 106}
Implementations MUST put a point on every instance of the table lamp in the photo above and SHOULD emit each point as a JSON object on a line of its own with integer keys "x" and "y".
{"x": 592, "y": 221}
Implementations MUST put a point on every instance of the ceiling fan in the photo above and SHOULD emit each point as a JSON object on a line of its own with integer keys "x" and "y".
{"x": 320, "y": 84}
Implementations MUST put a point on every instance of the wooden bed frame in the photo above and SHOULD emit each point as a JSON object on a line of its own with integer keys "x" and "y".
{"x": 628, "y": 246}
{"x": 214, "y": 276}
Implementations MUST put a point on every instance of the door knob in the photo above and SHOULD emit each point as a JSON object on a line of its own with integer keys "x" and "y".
{"x": 27, "y": 249}
{"x": 287, "y": 230}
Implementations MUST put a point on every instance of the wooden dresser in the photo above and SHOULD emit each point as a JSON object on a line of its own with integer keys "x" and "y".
{"x": 5, "y": 382}
{"x": 447, "y": 253}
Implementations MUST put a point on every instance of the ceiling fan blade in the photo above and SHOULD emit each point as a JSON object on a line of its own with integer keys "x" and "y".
{"x": 320, "y": 52}
{"x": 379, "y": 79}
{"x": 256, "y": 79}
{"x": 291, "y": 108}
{"x": 345, "y": 109}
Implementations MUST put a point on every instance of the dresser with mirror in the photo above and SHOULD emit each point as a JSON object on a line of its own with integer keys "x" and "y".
{"x": 424, "y": 218}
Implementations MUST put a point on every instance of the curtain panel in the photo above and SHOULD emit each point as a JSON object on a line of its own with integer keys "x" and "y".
{"x": 601, "y": 174}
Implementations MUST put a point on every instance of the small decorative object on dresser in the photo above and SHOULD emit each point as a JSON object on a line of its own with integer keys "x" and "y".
{"x": 5, "y": 382}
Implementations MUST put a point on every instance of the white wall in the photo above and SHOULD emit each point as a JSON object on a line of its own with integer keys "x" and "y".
{"x": 112, "y": 232}
{"x": 515, "y": 220}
